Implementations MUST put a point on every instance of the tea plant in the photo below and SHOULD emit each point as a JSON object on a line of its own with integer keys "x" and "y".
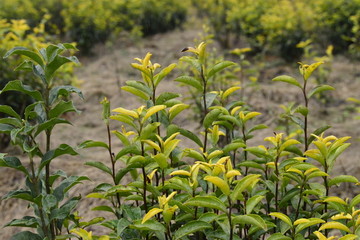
{"x": 222, "y": 187}
{"x": 46, "y": 190}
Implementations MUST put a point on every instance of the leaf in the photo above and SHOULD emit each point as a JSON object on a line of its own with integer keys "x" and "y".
{"x": 122, "y": 224}
{"x": 151, "y": 111}
{"x": 26, "y": 221}
{"x": 220, "y": 183}
{"x": 52, "y": 154}
{"x": 26, "y": 52}
{"x": 311, "y": 222}
{"x": 150, "y": 214}
{"x": 128, "y": 150}
{"x": 242, "y": 184}
{"x": 191, "y": 227}
{"x": 229, "y": 91}
{"x": 349, "y": 237}
{"x": 287, "y": 79}
{"x": 278, "y": 236}
{"x": 91, "y": 143}
{"x": 319, "y": 89}
{"x": 334, "y": 225}
{"x": 176, "y": 109}
{"x": 310, "y": 69}
{"x": 151, "y": 225}
{"x": 288, "y": 143}
{"x": 165, "y": 97}
{"x": 26, "y": 235}
{"x": 17, "y": 85}
{"x": 335, "y": 199}
{"x": 211, "y": 117}
{"x": 136, "y": 92}
{"x": 209, "y": 99}
{"x": 101, "y": 166}
{"x": 65, "y": 91}
{"x": 126, "y": 112}
{"x": 171, "y": 129}
{"x": 233, "y": 146}
{"x": 20, "y": 194}
{"x": 283, "y": 217}
{"x": 160, "y": 76}
{"x": 9, "y": 111}
{"x": 103, "y": 208}
{"x": 58, "y": 61}
{"x": 252, "y": 202}
{"x": 62, "y": 107}
{"x": 139, "y": 86}
{"x": 207, "y": 201}
{"x": 190, "y": 81}
{"x": 218, "y": 67}
{"x": 252, "y": 219}
{"x": 13, "y": 162}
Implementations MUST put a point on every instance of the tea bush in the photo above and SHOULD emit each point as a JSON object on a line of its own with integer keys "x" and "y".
{"x": 220, "y": 188}
{"x": 277, "y": 26}
{"x": 88, "y": 22}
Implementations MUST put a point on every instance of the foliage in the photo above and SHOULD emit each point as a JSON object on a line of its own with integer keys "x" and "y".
{"x": 88, "y": 22}
{"x": 17, "y": 33}
{"x": 220, "y": 188}
{"x": 46, "y": 192}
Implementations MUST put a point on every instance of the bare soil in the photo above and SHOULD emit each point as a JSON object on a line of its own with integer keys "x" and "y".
{"x": 103, "y": 74}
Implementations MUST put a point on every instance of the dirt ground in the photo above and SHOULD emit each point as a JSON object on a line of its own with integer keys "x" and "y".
{"x": 103, "y": 74}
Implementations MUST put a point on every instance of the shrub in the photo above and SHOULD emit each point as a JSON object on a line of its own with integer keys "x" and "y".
{"x": 220, "y": 188}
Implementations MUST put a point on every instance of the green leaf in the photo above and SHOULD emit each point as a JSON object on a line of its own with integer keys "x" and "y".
{"x": 149, "y": 225}
{"x": 252, "y": 202}
{"x": 20, "y": 194}
{"x": 9, "y": 111}
{"x": 149, "y": 130}
{"x": 17, "y": 85}
{"x": 176, "y": 109}
{"x": 26, "y": 221}
{"x": 287, "y": 79}
{"x": 190, "y": 81}
{"x": 122, "y": 224}
{"x": 218, "y": 67}
{"x": 52, "y": 154}
{"x": 26, "y": 52}
{"x": 163, "y": 73}
{"x": 26, "y": 235}
{"x": 66, "y": 184}
{"x": 211, "y": 117}
{"x": 165, "y": 96}
{"x": 233, "y": 146}
{"x": 278, "y": 236}
{"x": 171, "y": 129}
{"x": 132, "y": 149}
{"x": 62, "y": 107}
{"x": 355, "y": 201}
{"x": 242, "y": 184}
{"x": 250, "y": 219}
{"x": 318, "y": 132}
{"x": 195, "y": 63}
{"x": 91, "y": 143}
{"x": 312, "y": 221}
{"x": 58, "y": 61}
{"x": 207, "y": 201}
{"x": 191, "y": 227}
{"x": 209, "y": 99}
{"x": 320, "y": 89}
{"x": 12, "y": 162}
{"x": 103, "y": 208}
{"x": 65, "y": 91}
{"x": 101, "y": 166}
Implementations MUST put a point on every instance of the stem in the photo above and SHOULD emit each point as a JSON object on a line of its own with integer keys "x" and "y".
{"x": 144, "y": 186}
{"x": 305, "y": 117}
{"x": 113, "y": 174}
{"x": 277, "y": 183}
{"x": 229, "y": 218}
{"x": 299, "y": 202}
{"x": 245, "y": 152}
{"x": 205, "y": 110}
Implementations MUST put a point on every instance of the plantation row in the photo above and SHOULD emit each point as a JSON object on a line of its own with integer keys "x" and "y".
{"x": 221, "y": 188}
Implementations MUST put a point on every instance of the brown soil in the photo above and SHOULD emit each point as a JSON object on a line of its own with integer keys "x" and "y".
{"x": 104, "y": 74}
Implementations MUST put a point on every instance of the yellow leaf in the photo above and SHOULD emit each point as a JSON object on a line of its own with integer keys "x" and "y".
{"x": 151, "y": 111}
{"x": 126, "y": 112}
{"x": 251, "y": 115}
{"x": 220, "y": 183}
{"x": 320, "y": 235}
{"x": 232, "y": 173}
{"x": 180, "y": 172}
{"x": 151, "y": 213}
{"x": 234, "y": 110}
{"x": 341, "y": 216}
{"x": 295, "y": 170}
{"x": 334, "y": 199}
{"x": 349, "y": 237}
{"x": 334, "y": 225}
{"x": 171, "y": 138}
{"x": 310, "y": 170}
{"x": 215, "y": 154}
{"x": 151, "y": 175}
{"x": 301, "y": 220}
{"x": 152, "y": 144}
{"x": 288, "y": 143}
{"x": 283, "y": 217}
{"x": 229, "y": 91}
